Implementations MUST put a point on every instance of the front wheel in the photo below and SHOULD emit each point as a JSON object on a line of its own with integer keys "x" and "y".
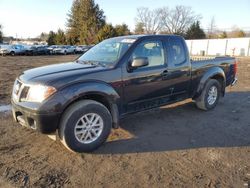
{"x": 209, "y": 96}
{"x": 85, "y": 126}
{"x": 12, "y": 53}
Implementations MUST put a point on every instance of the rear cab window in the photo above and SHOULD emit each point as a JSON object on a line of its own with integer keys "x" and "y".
{"x": 177, "y": 51}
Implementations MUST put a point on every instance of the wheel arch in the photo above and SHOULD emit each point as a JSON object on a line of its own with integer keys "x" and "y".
{"x": 216, "y": 73}
{"x": 100, "y": 92}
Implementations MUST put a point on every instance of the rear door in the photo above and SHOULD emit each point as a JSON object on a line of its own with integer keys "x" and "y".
{"x": 179, "y": 67}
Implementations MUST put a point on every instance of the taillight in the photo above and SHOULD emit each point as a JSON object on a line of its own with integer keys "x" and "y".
{"x": 235, "y": 67}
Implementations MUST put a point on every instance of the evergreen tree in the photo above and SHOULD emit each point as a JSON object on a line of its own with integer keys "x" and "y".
{"x": 1, "y": 34}
{"x": 195, "y": 31}
{"x": 60, "y": 37}
{"x": 51, "y": 38}
{"x": 106, "y": 32}
{"x": 84, "y": 21}
{"x": 122, "y": 30}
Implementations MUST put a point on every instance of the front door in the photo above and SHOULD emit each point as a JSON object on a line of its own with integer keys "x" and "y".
{"x": 146, "y": 87}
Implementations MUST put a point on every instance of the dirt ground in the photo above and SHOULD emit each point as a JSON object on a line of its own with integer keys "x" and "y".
{"x": 175, "y": 146}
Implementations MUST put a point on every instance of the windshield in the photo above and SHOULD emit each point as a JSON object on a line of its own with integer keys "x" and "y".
{"x": 108, "y": 52}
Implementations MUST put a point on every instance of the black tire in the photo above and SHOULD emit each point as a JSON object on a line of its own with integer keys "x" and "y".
{"x": 12, "y": 53}
{"x": 202, "y": 101}
{"x": 70, "y": 118}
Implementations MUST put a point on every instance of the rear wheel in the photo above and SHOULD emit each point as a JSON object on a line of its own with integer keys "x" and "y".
{"x": 85, "y": 126}
{"x": 209, "y": 96}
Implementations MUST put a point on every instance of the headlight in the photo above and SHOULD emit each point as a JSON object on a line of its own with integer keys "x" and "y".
{"x": 38, "y": 93}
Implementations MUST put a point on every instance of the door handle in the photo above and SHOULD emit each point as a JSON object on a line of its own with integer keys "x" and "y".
{"x": 164, "y": 73}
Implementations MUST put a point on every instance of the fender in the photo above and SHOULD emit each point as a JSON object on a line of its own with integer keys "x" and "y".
{"x": 77, "y": 91}
{"x": 211, "y": 73}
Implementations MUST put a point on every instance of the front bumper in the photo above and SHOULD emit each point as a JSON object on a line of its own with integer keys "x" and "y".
{"x": 4, "y": 52}
{"x": 58, "y": 51}
{"x": 44, "y": 123}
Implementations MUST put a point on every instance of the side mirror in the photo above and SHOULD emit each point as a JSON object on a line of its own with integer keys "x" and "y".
{"x": 139, "y": 62}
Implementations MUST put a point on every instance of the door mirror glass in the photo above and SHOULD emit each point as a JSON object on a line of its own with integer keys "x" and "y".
{"x": 140, "y": 62}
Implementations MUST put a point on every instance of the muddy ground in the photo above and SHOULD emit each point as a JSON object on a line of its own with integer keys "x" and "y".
{"x": 175, "y": 146}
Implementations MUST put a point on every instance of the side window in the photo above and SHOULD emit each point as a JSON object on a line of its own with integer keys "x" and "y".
{"x": 153, "y": 50}
{"x": 178, "y": 52}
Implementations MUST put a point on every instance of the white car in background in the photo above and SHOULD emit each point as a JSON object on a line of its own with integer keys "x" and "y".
{"x": 81, "y": 49}
{"x": 51, "y": 48}
{"x": 65, "y": 49}
{"x": 12, "y": 50}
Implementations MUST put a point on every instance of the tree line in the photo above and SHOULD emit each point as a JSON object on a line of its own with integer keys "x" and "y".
{"x": 60, "y": 37}
{"x": 86, "y": 24}
{"x": 181, "y": 20}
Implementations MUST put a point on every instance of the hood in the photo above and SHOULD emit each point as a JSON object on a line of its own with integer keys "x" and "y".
{"x": 59, "y": 48}
{"x": 5, "y": 48}
{"x": 52, "y": 47}
{"x": 51, "y": 72}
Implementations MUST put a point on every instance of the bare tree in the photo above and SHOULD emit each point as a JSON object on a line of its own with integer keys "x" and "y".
{"x": 139, "y": 28}
{"x": 178, "y": 19}
{"x": 211, "y": 28}
{"x": 150, "y": 19}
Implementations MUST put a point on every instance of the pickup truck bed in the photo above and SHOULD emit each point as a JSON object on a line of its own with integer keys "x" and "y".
{"x": 201, "y": 68}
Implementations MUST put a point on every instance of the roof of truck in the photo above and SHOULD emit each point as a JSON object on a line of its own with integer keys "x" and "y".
{"x": 145, "y": 35}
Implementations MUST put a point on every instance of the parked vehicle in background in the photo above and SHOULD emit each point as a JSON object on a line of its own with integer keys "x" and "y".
{"x": 2, "y": 47}
{"x": 81, "y": 49}
{"x": 13, "y": 50}
{"x": 84, "y": 99}
{"x": 51, "y": 48}
{"x": 42, "y": 50}
{"x": 37, "y": 50}
{"x": 64, "y": 49}
{"x": 30, "y": 50}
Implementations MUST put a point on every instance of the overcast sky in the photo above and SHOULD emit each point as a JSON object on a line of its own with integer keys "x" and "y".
{"x": 28, "y": 18}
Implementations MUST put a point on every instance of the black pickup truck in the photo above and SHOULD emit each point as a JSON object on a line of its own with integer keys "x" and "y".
{"x": 84, "y": 99}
